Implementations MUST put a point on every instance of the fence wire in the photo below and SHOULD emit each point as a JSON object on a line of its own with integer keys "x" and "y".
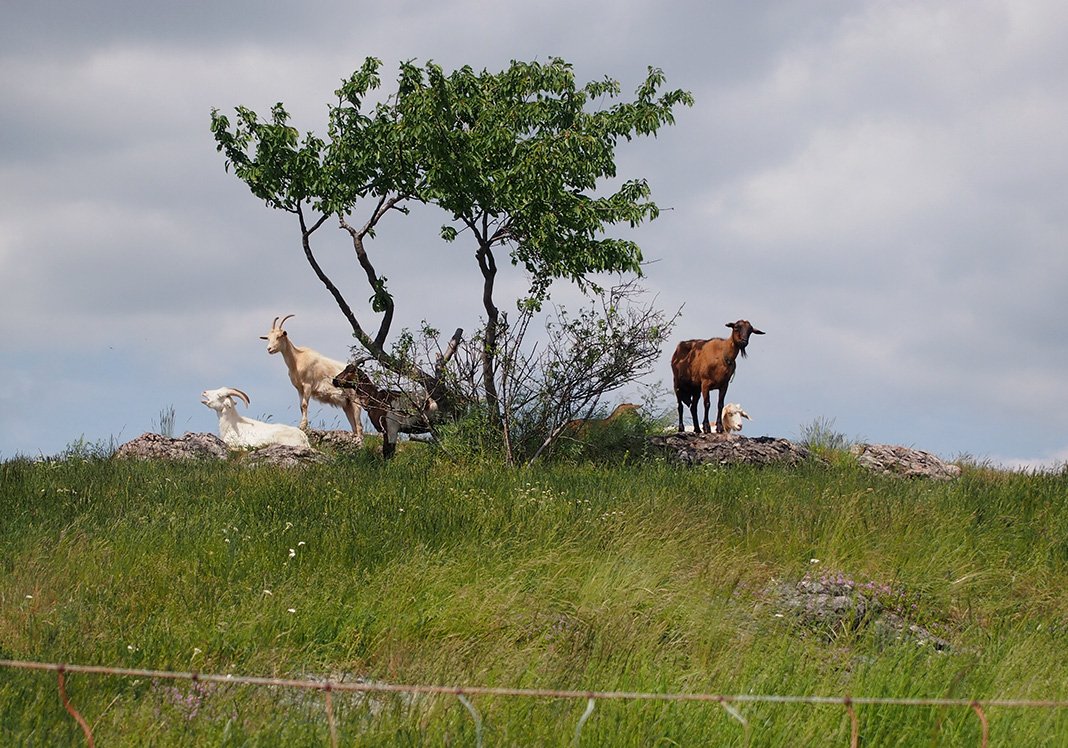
{"x": 729, "y": 702}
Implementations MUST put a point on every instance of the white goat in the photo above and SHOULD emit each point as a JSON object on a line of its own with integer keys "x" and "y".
{"x": 312, "y": 374}
{"x": 732, "y": 417}
{"x": 238, "y": 431}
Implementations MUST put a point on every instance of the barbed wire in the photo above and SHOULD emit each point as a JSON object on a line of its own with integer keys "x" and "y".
{"x": 726, "y": 701}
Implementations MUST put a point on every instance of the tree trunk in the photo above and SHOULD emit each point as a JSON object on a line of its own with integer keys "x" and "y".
{"x": 488, "y": 266}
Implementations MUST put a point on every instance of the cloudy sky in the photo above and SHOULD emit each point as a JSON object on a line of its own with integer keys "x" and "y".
{"x": 882, "y": 187}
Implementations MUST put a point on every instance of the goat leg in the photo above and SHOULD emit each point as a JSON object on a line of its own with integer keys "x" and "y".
{"x": 719, "y": 409}
{"x": 705, "y": 390}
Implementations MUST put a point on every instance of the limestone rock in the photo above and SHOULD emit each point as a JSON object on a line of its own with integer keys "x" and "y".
{"x": 278, "y": 455}
{"x": 730, "y": 449}
{"x": 342, "y": 442}
{"x": 833, "y": 603}
{"x": 887, "y": 459}
{"x": 196, "y": 446}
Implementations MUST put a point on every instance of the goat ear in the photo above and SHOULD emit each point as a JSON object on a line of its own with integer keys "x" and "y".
{"x": 731, "y": 325}
{"x": 263, "y": 337}
{"x": 757, "y": 332}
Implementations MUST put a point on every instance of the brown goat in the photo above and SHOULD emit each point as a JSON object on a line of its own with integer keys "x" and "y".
{"x": 581, "y": 427}
{"x": 698, "y": 366}
{"x": 390, "y": 411}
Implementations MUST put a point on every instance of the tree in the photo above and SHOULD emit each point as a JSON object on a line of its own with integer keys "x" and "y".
{"x": 516, "y": 159}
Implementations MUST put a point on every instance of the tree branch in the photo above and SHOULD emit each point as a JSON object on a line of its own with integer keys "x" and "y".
{"x": 322, "y": 276}
{"x": 373, "y": 279}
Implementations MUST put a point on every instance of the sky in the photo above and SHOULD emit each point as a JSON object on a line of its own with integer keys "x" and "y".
{"x": 881, "y": 187}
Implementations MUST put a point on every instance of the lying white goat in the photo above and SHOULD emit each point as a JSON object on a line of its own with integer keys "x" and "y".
{"x": 732, "y": 420}
{"x": 311, "y": 374}
{"x": 732, "y": 417}
{"x": 671, "y": 429}
{"x": 239, "y": 432}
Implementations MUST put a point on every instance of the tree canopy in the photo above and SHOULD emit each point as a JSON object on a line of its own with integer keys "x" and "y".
{"x": 516, "y": 160}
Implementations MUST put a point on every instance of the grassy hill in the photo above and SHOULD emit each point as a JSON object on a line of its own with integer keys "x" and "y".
{"x": 636, "y": 577}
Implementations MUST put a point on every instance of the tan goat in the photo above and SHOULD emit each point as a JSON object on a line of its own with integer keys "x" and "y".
{"x": 312, "y": 375}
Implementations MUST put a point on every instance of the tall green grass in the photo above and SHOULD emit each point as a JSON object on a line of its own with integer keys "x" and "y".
{"x": 640, "y": 577}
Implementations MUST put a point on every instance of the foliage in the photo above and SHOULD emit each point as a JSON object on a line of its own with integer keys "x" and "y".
{"x": 638, "y": 577}
{"x": 567, "y": 372}
{"x": 583, "y": 358}
{"x": 517, "y": 158}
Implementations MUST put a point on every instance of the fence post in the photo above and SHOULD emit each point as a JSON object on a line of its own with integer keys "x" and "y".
{"x": 330, "y": 715}
{"x": 72, "y": 711}
{"x": 982, "y": 720}
{"x": 738, "y": 716}
{"x": 582, "y": 721}
{"x": 854, "y": 730}
{"x": 475, "y": 716}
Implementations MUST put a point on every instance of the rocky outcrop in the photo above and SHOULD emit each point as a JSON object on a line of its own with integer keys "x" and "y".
{"x": 198, "y": 446}
{"x": 340, "y": 442}
{"x": 202, "y": 446}
{"x": 278, "y": 455}
{"x": 731, "y": 449}
{"x": 903, "y": 462}
{"x": 833, "y": 603}
{"x": 724, "y": 449}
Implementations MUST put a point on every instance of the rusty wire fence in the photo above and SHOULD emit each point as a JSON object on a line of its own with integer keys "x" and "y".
{"x": 729, "y": 702}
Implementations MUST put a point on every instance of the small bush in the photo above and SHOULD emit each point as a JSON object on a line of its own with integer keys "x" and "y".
{"x": 165, "y": 425}
{"x": 85, "y": 451}
{"x": 820, "y": 436}
{"x": 470, "y": 438}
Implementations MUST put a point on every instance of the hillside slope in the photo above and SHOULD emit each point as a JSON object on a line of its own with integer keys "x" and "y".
{"x": 640, "y": 577}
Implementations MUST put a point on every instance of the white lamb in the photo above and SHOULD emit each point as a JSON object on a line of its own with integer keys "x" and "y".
{"x": 239, "y": 432}
{"x": 732, "y": 417}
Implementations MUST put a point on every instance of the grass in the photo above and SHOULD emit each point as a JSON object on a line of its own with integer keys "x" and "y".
{"x": 638, "y": 576}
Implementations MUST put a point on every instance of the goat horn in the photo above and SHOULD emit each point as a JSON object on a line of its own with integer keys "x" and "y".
{"x": 239, "y": 393}
{"x": 284, "y": 320}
